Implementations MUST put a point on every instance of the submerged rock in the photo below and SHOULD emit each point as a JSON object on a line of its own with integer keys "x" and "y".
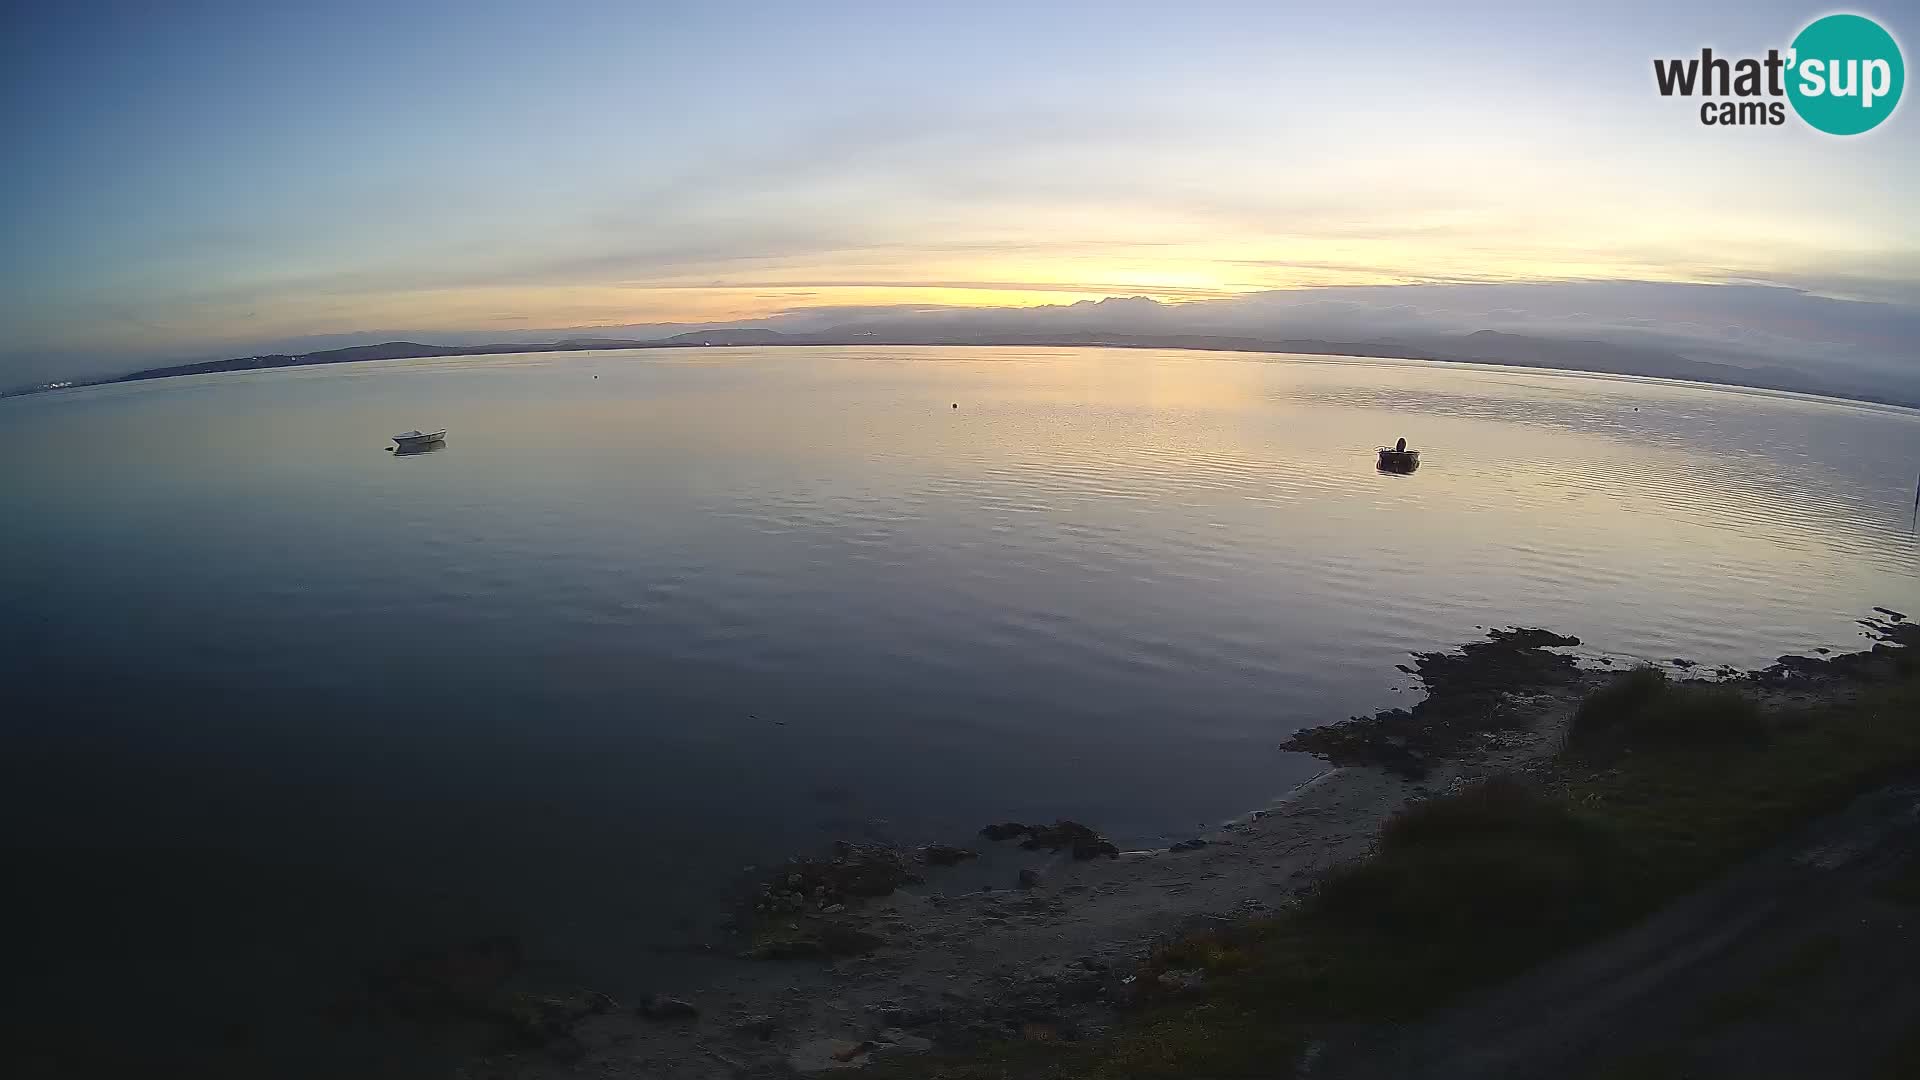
{"x": 1468, "y": 692}
{"x": 946, "y": 854}
{"x": 847, "y": 1051}
{"x": 463, "y": 985}
{"x": 1082, "y": 841}
{"x": 895, "y": 1041}
{"x": 547, "y": 1021}
{"x": 1182, "y": 982}
{"x": 824, "y": 1054}
{"x": 438, "y": 983}
{"x": 856, "y": 871}
{"x": 661, "y": 1007}
{"x": 817, "y": 939}
{"x": 1895, "y": 653}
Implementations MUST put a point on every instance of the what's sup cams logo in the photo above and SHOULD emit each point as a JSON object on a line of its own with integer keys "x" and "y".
{"x": 1842, "y": 75}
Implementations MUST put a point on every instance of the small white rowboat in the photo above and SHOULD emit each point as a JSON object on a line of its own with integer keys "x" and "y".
{"x": 414, "y": 440}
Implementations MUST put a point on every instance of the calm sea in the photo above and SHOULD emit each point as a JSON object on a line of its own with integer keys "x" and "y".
{"x": 279, "y": 703}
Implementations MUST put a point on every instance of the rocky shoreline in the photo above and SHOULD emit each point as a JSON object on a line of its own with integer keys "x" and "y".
{"x": 877, "y": 952}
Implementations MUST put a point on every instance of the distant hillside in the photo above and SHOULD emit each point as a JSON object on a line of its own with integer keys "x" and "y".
{"x": 386, "y": 350}
{"x": 743, "y": 336}
{"x": 1517, "y": 350}
{"x": 1483, "y": 347}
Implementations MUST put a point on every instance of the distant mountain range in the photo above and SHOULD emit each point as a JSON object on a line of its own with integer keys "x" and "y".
{"x": 1481, "y": 347}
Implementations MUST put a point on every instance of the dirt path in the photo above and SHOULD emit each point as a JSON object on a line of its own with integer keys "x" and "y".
{"x": 1795, "y": 965}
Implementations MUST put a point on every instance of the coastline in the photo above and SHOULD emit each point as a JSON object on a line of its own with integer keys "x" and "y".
{"x": 945, "y": 963}
{"x": 1071, "y": 965}
{"x": 1629, "y": 364}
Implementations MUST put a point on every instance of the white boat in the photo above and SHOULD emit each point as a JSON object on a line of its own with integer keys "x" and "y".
{"x": 418, "y": 440}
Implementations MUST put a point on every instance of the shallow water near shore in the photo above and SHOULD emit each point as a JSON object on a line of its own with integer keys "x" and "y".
{"x": 284, "y": 704}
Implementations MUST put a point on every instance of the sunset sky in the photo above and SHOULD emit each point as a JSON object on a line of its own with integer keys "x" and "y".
{"x": 233, "y": 175}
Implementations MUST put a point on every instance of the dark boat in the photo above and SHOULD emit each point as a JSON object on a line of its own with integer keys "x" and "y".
{"x": 1398, "y": 461}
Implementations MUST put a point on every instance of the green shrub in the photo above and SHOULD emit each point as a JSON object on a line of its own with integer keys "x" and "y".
{"x": 1628, "y": 694}
{"x": 1497, "y": 858}
{"x": 1644, "y": 708}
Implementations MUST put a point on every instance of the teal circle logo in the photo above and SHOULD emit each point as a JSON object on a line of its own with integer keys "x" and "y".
{"x": 1846, "y": 74}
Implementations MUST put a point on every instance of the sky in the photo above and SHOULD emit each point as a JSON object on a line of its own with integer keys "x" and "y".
{"x": 200, "y": 179}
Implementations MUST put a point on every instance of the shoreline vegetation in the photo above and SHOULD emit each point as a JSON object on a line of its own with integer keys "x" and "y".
{"x": 1541, "y": 869}
{"x": 1489, "y": 347}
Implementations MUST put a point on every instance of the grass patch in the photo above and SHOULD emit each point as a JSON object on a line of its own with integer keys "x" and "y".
{"x": 1689, "y": 814}
{"x": 1663, "y": 786}
{"x": 1499, "y": 858}
{"x": 1645, "y": 708}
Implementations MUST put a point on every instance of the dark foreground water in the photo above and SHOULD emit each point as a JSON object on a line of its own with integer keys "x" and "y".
{"x": 279, "y": 704}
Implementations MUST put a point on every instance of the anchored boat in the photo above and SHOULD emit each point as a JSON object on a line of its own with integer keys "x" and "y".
{"x": 418, "y": 440}
{"x": 1398, "y": 459}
